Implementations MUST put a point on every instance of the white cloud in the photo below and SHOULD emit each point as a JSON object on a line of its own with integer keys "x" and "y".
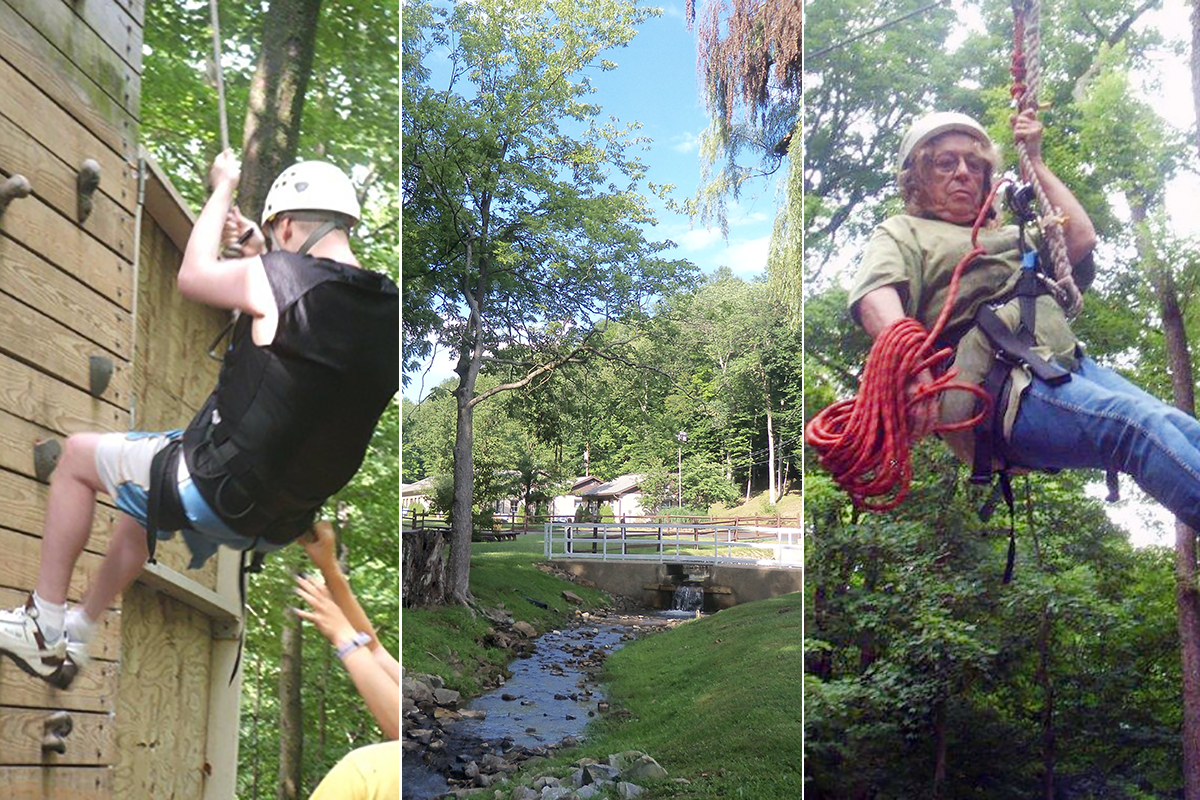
{"x": 699, "y": 239}
{"x": 747, "y": 257}
{"x": 684, "y": 143}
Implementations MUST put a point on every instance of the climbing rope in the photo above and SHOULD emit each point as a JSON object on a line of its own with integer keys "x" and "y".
{"x": 1027, "y": 79}
{"x": 865, "y": 441}
{"x": 216, "y": 32}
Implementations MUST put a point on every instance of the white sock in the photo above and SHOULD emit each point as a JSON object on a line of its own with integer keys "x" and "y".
{"x": 50, "y": 618}
{"x": 80, "y": 627}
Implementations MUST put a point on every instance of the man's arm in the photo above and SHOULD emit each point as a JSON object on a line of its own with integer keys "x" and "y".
{"x": 1079, "y": 232}
{"x": 877, "y": 309}
{"x": 238, "y": 283}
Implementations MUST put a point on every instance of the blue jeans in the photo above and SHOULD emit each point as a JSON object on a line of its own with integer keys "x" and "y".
{"x": 1099, "y": 420}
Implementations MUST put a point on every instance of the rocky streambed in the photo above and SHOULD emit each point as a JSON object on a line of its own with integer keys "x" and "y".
{"x": 454, "y": 747}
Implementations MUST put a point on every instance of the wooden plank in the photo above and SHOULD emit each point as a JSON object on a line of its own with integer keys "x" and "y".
{"x": 38, "y": 783}
{"x": 54, "y": 181}
{"x": 107, "y": 644}
{"x": 38, "y": 398}
{"x": 191, "y": 592}
{"x": 94, "y": 689}
{"x": 52, "y": 347}
{"x": 21, "y": 538}
{"x": 92, "y": 740}
{"x": 73, "y": 130}
{"x": 163, "y": 698}
{"x": 58, "y": 240}
{"x": 135, "y": 8}
{"x": 111, "y": 22}
{"x": 82, "y": 101}
{"x": 73, "y": 50}
{"x": 36, "y": 282}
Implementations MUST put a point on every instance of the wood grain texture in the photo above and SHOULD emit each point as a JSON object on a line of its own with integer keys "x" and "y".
{"x": 23, "y": 556}
{"x": 29, "y": 74}
{"x": 54, "y": 180}
{"x": 38, "y": 398}
{"x": 75, "y": 783}
{"x": 162, "y": 703}
{"x": 94, "y": 689}
{"x": 54, "y": 348}
{"x": 36, "y": 282}
{"x": 76, "y": 252}
{"x": 91, "y": 742}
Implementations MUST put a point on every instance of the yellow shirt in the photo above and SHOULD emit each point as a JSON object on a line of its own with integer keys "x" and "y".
{"x": 917, "y": 257}
{"x": 368, "y": 773}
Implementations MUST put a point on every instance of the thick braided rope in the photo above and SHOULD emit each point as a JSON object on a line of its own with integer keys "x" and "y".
{"x": 1027, "y": 79}
{"x": 865, "y": 442}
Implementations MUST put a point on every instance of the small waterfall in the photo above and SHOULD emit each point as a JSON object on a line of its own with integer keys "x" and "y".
{"x": 688, "y": 597}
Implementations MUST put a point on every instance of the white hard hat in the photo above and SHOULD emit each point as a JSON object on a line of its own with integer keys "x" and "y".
{"x": 935, "y": 124}
{"x": 312, "y": 186}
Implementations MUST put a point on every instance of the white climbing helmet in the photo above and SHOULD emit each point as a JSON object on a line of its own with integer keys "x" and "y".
{"x": 935, "y": 124}
{"x": 312, "y": 186}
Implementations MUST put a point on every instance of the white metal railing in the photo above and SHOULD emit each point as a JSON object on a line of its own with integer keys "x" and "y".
{"x": 701, "y": 543}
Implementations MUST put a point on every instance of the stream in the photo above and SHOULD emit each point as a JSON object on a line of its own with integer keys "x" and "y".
{"x": 551, "y": 695}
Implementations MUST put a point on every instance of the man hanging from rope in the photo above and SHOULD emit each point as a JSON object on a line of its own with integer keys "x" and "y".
{"x": 1049, "y": 406}
{"x": 312, "y": 363}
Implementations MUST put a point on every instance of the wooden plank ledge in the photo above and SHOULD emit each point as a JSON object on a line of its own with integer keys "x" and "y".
{"x": 200, "y": 597}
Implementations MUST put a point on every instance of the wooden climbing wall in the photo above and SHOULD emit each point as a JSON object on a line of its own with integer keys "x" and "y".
{"x": 70, "y": 72}
{"x": 69, "y": 291}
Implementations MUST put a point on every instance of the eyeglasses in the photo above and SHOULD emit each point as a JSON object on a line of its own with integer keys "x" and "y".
{"x": 947, "y": 164}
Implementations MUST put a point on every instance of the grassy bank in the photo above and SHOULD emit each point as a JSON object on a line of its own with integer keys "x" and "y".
{"x": 716, "y": 701}
{"x": 448, "y": 641}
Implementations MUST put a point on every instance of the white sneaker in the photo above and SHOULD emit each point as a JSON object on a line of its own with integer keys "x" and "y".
{"x": 21, "y": 640}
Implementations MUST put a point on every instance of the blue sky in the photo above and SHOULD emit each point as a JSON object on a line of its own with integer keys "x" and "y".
{"x": 656, "y": 84}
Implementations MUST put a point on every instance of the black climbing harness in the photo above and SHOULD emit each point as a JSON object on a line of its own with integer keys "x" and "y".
{"x": 1012, "y": 349}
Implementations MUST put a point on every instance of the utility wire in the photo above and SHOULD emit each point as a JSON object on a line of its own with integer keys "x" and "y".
{"x": 876, "y": 29}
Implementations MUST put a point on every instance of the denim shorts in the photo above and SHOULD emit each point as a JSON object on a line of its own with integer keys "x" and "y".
{"x": 1099, "y": 420}
{"x": 123, "y": 464}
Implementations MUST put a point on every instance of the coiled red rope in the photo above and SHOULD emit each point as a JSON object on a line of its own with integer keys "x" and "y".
{"x": 865, "y": 442}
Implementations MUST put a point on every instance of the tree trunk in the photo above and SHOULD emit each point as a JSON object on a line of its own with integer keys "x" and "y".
{"x": 1196, "y": 70}
{"x": 423, "y": 567}
{"x": 1043, "y": 679}
{"x": 1187, "y": 604}
{"x": 458, "y": 568}
{"x": 939, "y": 748}
{"x": 291, "y": 731}
{"x": 276, "y": 103}
{"x": 771, "y": 497}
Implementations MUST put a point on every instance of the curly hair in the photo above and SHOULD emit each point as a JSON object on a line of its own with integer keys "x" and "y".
{"x": 914, "y": 180}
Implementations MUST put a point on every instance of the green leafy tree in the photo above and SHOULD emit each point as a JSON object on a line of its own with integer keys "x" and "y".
{"x": 524, "y": 205}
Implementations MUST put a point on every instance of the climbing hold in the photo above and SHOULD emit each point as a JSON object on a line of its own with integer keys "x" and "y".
{"x": 86, "y": 183}
{"x": 45, "y": 458}
{"x": 13, "y": 188}
{"x": 100, "y": 370}
{"x": 55, "y": 730}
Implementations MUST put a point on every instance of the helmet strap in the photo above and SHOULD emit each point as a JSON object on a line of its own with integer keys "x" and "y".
{"x": 321, "y": 230}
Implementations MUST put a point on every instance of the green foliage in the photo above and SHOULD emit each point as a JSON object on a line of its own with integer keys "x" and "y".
{"x": 417, "y": 508}
{"x": 606, "y": 513}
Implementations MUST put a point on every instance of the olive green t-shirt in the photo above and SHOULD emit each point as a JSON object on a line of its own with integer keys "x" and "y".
{"x": 917, "y": 257}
